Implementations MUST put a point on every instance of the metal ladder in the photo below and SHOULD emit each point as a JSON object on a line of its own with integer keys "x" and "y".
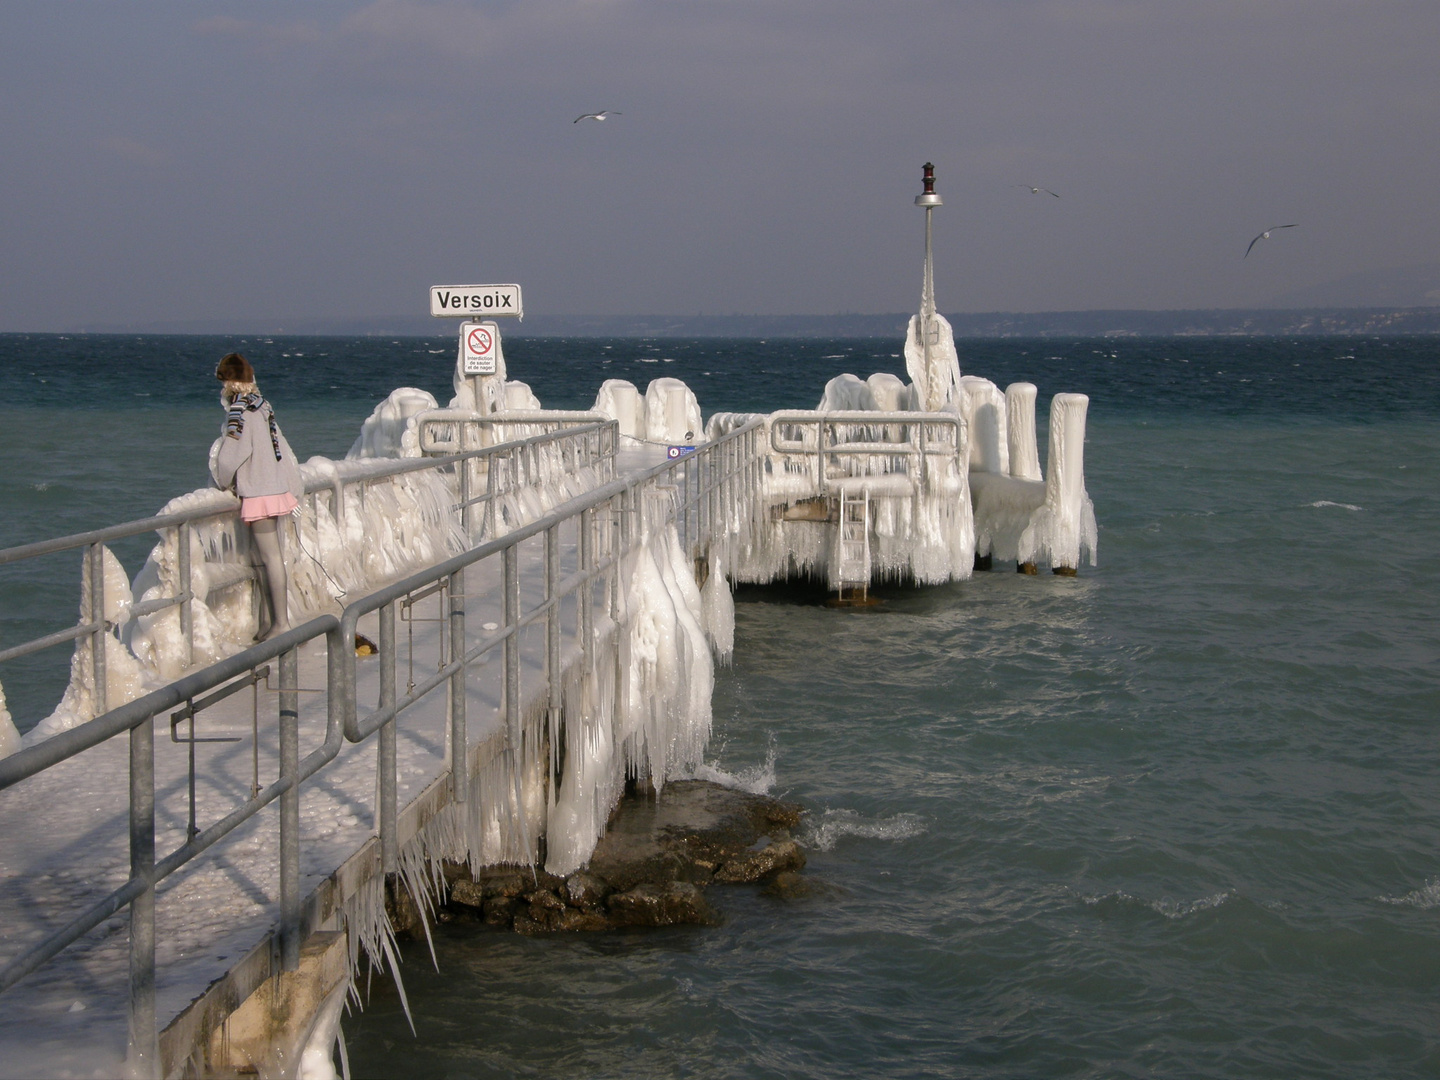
{"x": 853, "y": 570}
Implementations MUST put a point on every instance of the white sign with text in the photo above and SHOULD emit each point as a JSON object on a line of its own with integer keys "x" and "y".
{"x": 469, "y": 301}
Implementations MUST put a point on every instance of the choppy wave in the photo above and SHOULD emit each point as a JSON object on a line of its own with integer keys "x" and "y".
{"x": 1166, "y": 906}
{"x": 824, "y": 833}
{"x": 1425, "y": 897}
{"x": 1321, "y": 503}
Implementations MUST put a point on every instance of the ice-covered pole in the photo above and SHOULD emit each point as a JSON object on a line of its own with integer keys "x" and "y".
{"x": 1020, "y": 430}
{"x": 1072, "y": 521}
{"x": 929, "y": 200}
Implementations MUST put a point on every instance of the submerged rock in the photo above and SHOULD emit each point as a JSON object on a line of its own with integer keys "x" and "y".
{"x": 789, "y": 885}
{"x": 584, "y": 890}
{"x": 649, "y": 869}
{"x": 656, "y": 905}
{"x": 756, "y": 865}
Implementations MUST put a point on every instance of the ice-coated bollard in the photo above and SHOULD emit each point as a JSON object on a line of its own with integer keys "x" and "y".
{"x": 1020, "y": 431}
{"x": 1065, "y": 484}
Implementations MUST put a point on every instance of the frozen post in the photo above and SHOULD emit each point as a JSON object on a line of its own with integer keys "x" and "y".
{"x": 1020, "y": 430}
{"x": 1065, "y": 484}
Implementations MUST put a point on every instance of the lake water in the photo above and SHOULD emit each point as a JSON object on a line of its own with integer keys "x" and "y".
{"x": 1175, "y": 817}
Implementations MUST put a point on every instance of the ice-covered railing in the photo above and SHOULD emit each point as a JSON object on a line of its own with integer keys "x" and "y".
{"x": 521, "y": 479}
{"x": 362, "y": 522}
{"x": 909, "y": 466}
{"x": 622, "y": 687}
{"x": 994, "y": 502}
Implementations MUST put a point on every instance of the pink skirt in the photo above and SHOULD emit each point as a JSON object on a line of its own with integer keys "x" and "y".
{"x": 267, "y": 506}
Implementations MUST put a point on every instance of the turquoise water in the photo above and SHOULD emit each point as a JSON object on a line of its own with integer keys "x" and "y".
{"x": 1175, "y": 817}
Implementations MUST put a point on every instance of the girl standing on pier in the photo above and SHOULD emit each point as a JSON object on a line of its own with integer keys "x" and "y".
{"x": 256, "y": 462}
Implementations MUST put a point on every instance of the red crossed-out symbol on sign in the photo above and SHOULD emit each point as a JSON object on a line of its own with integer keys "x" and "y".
{"x": 479, "y": 341}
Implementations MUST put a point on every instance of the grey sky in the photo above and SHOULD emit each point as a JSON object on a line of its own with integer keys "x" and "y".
{"x": 276, "y": 160}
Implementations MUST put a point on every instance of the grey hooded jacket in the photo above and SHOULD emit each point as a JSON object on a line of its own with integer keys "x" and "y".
{"x": 246, "y": 459}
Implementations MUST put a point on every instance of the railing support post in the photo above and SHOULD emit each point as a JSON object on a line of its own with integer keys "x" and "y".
{"x": 187, "y": 614}
{"x": 465, "y": 507}
{"x": 552, "y": 621}
{"x": 554, "y": 686}
{"x": 459, "y": 745}
{"x": 290, "y": 810}
{"x": 97, "y": 616}
{"x": 587, "y": 593}
{"x": 144, "y": 1055}
{"x": 511, "y": 616}
{"x": 385, "y": 795}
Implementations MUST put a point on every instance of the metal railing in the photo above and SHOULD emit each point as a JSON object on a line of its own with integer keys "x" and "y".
{"x": 842, "y": 445}
{"x": 593, "y": 444}
{"x": 452, "y": 431}
{"x": 712, "y": 489}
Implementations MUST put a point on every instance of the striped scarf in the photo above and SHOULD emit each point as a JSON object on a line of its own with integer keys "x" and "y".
{"x": 235, "y": 419}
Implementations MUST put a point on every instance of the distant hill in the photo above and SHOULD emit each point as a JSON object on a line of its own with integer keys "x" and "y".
{"x": 1420, "y": 320}
{"x": 1394, "y": 287}
{"x": 1284, "y": 322}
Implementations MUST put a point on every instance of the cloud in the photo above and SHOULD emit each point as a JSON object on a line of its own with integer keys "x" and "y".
{"x": 442, "y": 29}
{"x": 135, "y": 150}
{"x": 295, "y": 32}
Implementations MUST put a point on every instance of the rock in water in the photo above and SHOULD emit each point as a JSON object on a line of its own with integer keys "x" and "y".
{"x": 650, "y": 868}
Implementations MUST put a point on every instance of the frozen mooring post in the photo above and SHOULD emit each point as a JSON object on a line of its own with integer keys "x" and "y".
{"x": 503, "y": 613}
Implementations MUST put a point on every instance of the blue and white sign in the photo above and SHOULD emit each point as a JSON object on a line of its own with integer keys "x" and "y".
{"x": 679, "y": 451}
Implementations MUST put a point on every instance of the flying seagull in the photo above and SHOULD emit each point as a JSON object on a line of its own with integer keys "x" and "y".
{"x": 1265, "y": 236}
{"x": 1037, "y": 190}
{"x": 601, "y": 115}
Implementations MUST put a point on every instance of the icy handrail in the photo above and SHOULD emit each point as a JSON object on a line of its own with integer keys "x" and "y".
{"x": 356, "y": 471}
{"x": 126, "y": 718}
{"x": 820, "y": 440}
{"x": 432, "y": 443}
{"x": 334, "y": 479}
{"x": 917, "y": 440}
{"x": 357, "y": 731}
{"x": 66, "y": 744}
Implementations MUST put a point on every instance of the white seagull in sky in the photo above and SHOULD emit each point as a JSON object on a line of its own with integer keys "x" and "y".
{"x": 1037, "y": 190}
{"x": 1265, "y": 236}
{"x": 601, "y": 115}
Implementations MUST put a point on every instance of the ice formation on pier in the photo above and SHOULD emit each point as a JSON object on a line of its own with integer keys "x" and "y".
{"x": 938, "y": 486}
{"x": 666, "y": 413}
{"x": 9, "y": 734}
{"x": 124, "y": 674}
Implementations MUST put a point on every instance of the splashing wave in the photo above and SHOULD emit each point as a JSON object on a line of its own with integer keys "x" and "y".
{"x": 757, "y": 779}
{"x": 835, "y": 825}
{"x": 1425, "y": 897}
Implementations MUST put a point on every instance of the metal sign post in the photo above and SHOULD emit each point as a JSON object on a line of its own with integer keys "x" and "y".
{"x": 479, "y": 349}
{"x": 479, "y": 341}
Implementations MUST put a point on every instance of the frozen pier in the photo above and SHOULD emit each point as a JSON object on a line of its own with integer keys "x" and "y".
{"x": 209, "y": 818}
{"x": 192, "y": 843}
{"x": 503, "y": 614}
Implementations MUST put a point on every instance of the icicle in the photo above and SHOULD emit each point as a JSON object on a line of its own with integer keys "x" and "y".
{"x": 9, "y": 736}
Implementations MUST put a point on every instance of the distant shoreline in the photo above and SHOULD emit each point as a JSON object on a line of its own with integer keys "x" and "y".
{"x": 1289, "y": 322}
